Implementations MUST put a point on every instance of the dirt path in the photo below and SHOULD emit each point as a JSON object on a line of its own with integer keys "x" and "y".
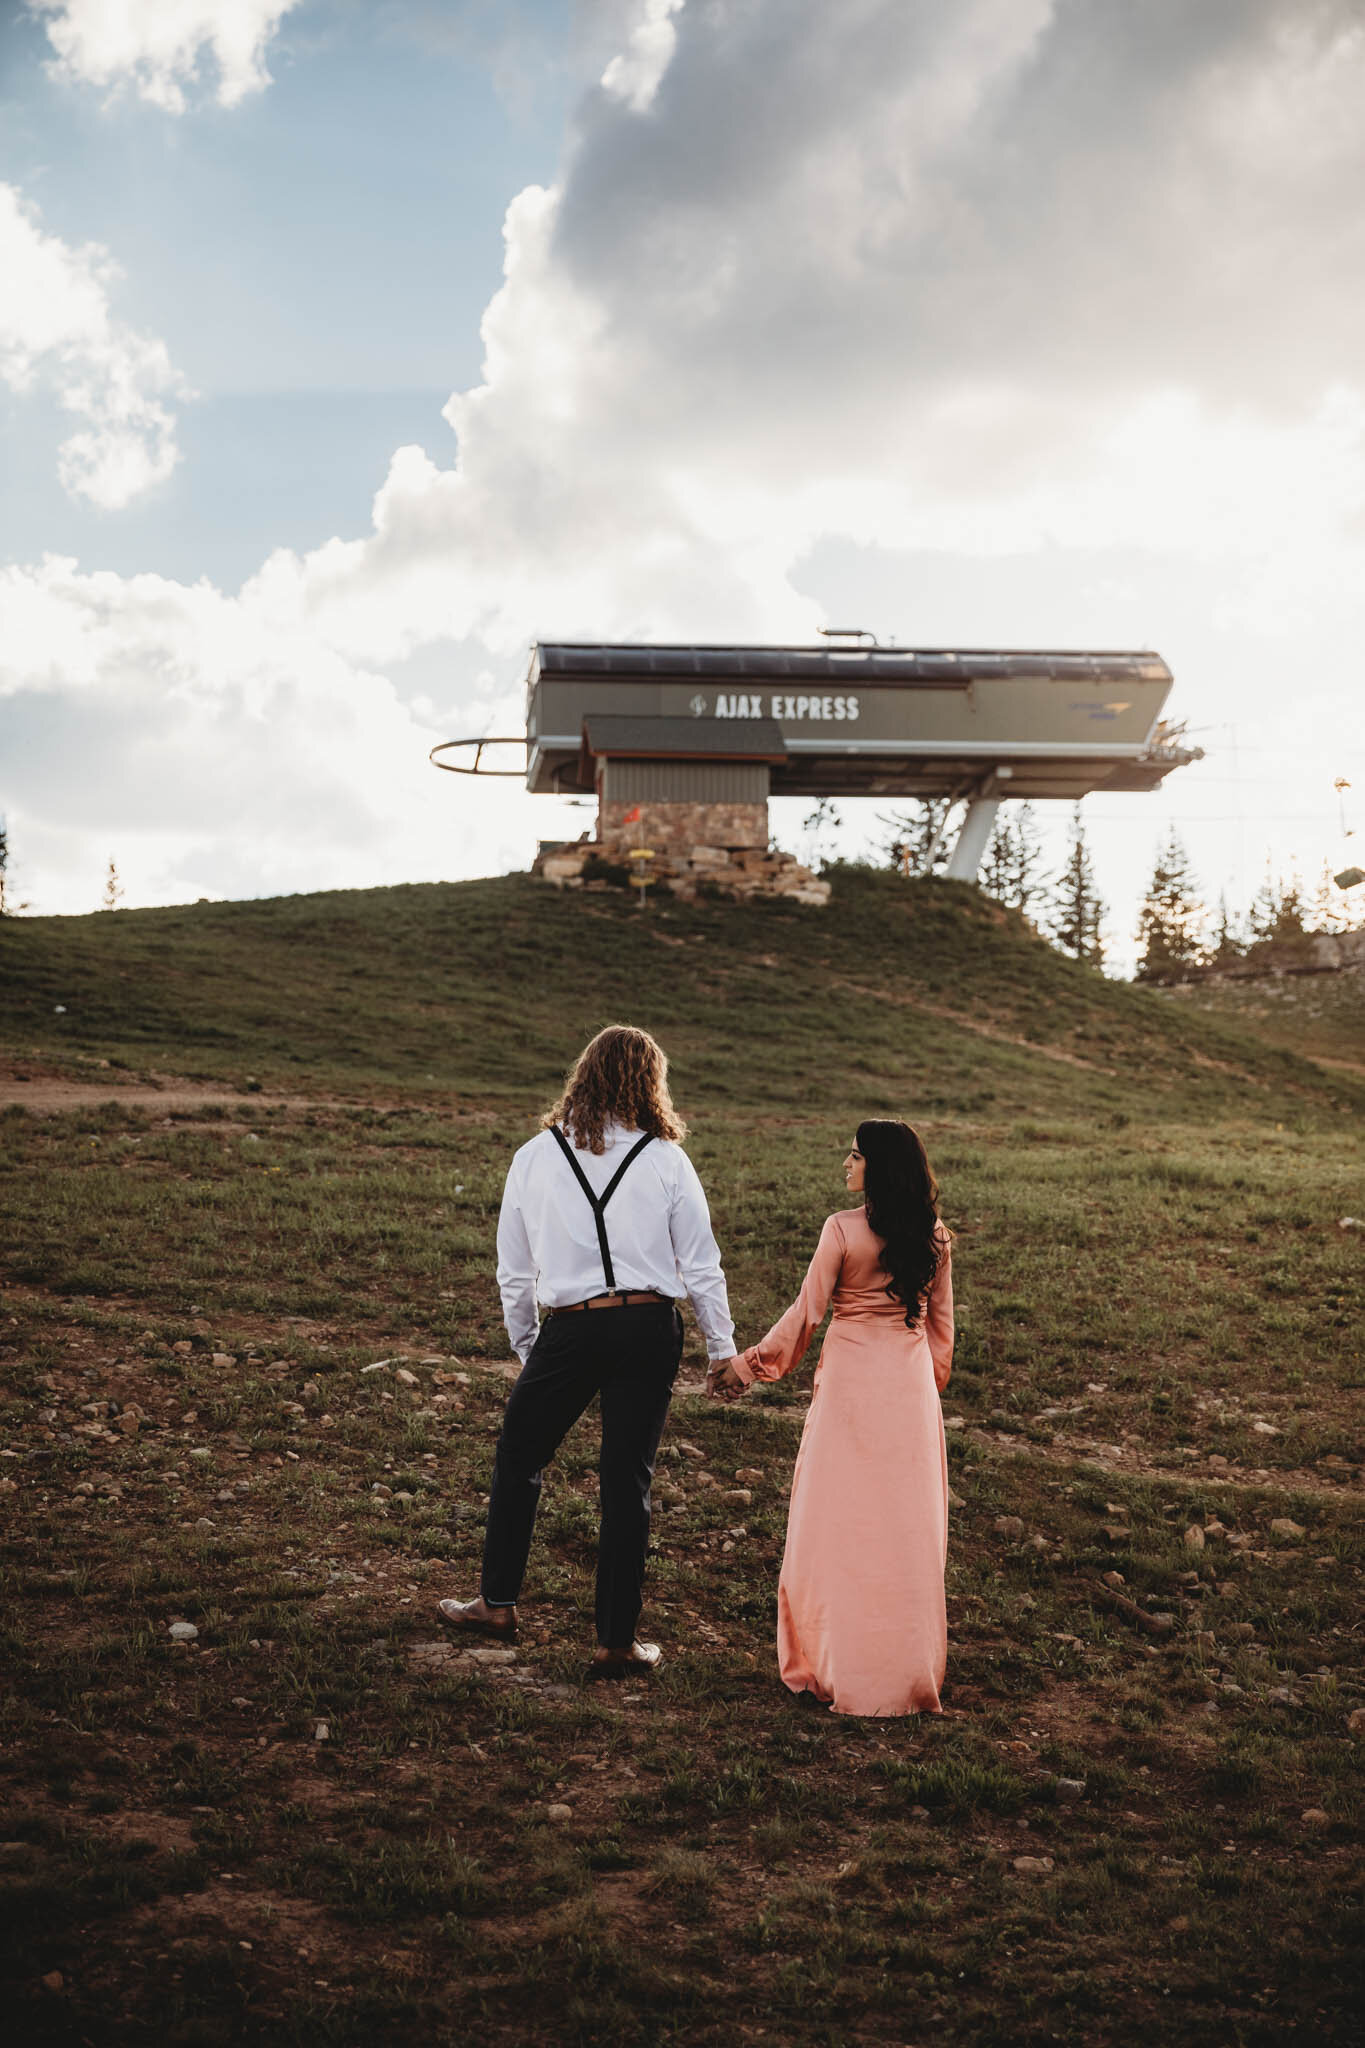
{"x": 49, "y": 1094}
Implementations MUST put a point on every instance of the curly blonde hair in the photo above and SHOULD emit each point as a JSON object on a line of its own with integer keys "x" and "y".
{"x": 621, "y": 1076}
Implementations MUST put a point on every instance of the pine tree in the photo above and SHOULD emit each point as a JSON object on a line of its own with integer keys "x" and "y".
{"x": 113, "y": 888}
{"x": 819, "y": 827}
{"x": 1227, "y": 943}
{"x": 1277, "y": 910}
{"x": 1075, "y": 911}
{"x": 917, "y": 840}
{"x": 1010, "y": 869}
{"x": 8, "y": 906}
{"x": 1327, "y": 912}
{"x": 1171, "y": 922}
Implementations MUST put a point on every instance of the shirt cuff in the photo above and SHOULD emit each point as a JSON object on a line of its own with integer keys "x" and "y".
{"x": 746, "y": 1365}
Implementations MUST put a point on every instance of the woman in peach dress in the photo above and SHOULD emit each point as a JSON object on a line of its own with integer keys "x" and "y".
{"x": 861, "y": 1620}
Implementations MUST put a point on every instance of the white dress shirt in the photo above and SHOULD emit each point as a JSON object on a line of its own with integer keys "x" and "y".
{"x": 658, "y": 1228}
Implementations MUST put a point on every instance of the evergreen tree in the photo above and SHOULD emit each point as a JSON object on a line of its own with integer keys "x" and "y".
{"x": 113, "y": 888}
{"x": 819, "y": 828}
{"x": 8, "y": 906}
{"x": 1227, "y": 943}
{"x": 1171, "y": 921}
{"x": 1010, "y": 870}
{"x": 917, "y": 840}
{"x": 1327, "y": 912}
{"x": 1277, "y": 910}
{"x": 1075, "y": 910}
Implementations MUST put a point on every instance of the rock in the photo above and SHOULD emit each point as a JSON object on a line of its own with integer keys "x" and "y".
{"x": 381, "y": 1491}
{"x": 740, "y": 1495}
{"x": 1011, "y": 1527}
{"x": 559, "y": 1812}
{"x": 54, "y": 1980}
{"x": 322, "y": 1732}
{"x": 1033, "y": 1866}
{"x": 955, "y": 1500}
{"x": 1069, "y": 1790}
{"x": 1194, "y": 1537}
{"x": 1116, "y": 1533}
{"x": 1355, "y": 1721}
{"x": 406, "y": 1378}
{"x": 1037, "y": 1541}
{"x": 183, "y": 1632}
{"x": 748, "y": 1474}
{"x": 1287, "y": 1531}
{"x": 1314, "y": 1817}
{"x": 223, "y": 1359}
{"x": 954, "y": 1422}
{"x": 1214, "y": 1529}
{"x": 1265, "y": 1429}
{"x": 1350, "y": 1223}
{"x": 1115, "y": 1579}
{"x": 130, "y": 1422}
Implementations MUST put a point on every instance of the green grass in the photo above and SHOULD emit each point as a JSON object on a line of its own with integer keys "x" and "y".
{"x": 1159, "y": 1328}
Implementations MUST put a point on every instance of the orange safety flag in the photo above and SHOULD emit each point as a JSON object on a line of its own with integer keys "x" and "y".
{"x": 632, "y": 817}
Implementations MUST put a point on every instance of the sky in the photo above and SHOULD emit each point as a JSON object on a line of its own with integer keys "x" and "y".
{"x": 347, "y": 346}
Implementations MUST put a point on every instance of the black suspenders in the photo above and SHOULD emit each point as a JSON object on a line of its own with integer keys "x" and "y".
{"x": 598, "y": 1205}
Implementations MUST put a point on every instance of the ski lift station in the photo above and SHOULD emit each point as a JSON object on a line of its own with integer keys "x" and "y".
{"x": 689, "y": 742}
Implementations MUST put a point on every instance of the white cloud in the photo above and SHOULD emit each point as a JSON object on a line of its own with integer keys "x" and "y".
{"x": 156, "y": 46}
{"x": 57, "y": 331}
{"x": 997, "y": 280}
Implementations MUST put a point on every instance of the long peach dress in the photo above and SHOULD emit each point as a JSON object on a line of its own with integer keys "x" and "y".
{"x": 861, "y": 1620}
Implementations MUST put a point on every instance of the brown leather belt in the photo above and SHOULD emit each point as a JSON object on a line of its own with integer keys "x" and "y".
{"x": 570, "y": 1308}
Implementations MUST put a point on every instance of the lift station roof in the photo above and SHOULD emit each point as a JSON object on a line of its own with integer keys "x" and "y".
{"x": 856, "y": 721}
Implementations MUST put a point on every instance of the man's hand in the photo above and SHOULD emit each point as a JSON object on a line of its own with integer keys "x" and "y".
{"x": 723, "y": 1383}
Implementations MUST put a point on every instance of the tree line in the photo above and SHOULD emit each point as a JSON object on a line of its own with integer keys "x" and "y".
{"x": 1178, "y": 932}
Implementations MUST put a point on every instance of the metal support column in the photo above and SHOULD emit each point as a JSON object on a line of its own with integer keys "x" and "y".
{"x": 965, "y": 858}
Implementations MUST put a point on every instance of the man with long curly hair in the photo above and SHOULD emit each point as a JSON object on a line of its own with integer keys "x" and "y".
{"x": 604, "y": 1222}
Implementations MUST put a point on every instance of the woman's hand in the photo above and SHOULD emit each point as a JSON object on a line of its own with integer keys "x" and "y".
{"x": 723, "y": 1383}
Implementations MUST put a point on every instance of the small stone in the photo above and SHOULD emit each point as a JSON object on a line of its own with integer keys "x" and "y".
{"x": 559, "y": 1812}
{"x": 403, "y": 1494}
{"x": 1216, "y": 1464}
{"x": 954, "y": 1422}
{"x": 1033, "y": 1866}
{"x": 1314, "y": 1817}
{"x": 183, "y": 1348}
{"x": 955, "y": 1500}
{"x": 1069, "y": 1790}
{"x": 1011, "y": 1527}
{"x": 130, "y": 1421}
{"x": 1214, "y": 1529}
{"x": 1355, "y": 1721}
{"x": 1264, "y": 1429}
{"x": 1287, "y": 1531}
{"x": 1114, "y": 1579}
{"x": 748, "y": 1474}
{"x": 383, "y": 1492}
{"x": 203, "y": 1452}
{"x": 1037, "y": 1541}
{"x": 740, "y": 1495}
{"x": 406, "y": 1378}
{"x": 205, "y": 1524}
{"x": 1194, "y": 1537}
{"x": 223, "y": 1359}
{"x": 322, "y": 1732}
{"x": 183, "y": 1632}
{"x": 54, "y": 1980}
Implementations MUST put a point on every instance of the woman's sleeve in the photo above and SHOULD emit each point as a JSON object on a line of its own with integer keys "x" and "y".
{"x": 938, "y": 1317}
{"x": 786, "y": 1343}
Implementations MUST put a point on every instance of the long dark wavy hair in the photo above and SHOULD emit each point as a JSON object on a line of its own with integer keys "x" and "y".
{"x": 900, "y": 1195}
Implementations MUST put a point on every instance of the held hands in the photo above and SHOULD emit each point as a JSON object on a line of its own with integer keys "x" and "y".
{"x": 723, "y": 1383}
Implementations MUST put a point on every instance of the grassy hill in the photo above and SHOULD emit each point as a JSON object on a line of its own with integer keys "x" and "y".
{"x": 251, "y": 1373}
{"x": 920, "y": 997}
